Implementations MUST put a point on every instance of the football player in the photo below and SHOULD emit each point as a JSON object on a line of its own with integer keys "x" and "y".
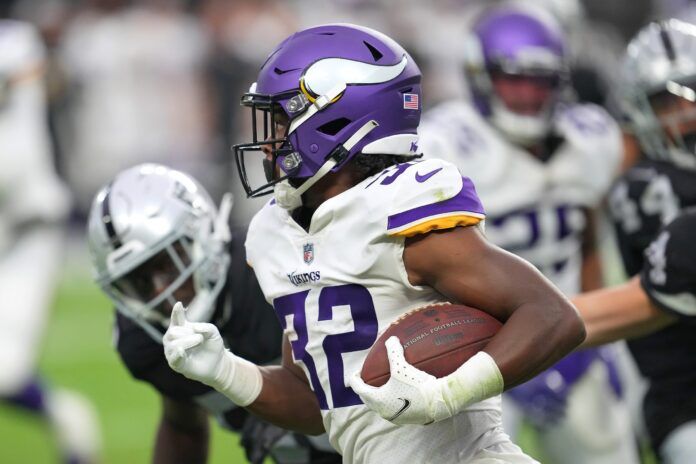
{"x": 658, "y": 95}
{"x": 155, "y": 236}
{"x": 33, "y": 206}
{"x": 357, "y": 234}
{"x": 540, "y": 165}
{"x": 658, "y": 305}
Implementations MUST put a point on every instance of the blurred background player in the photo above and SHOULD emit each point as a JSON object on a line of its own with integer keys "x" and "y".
{"x": 541, "y": 165}
{"x": 156, "y": 237}
{"x": 33, "y": 206}
{"x": 661, "y": 301}
{"x": 662, "y": 297}
{"x": 662, "y": 294}
{"x": 658, "y": 95}
{"x": 130, "y": 99}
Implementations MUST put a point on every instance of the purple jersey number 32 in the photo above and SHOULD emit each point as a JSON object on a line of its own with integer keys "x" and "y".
{"x": 362, "y": 337}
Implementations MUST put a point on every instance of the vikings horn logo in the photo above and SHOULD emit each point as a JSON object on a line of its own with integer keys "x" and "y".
{"x": 308, "y": 253}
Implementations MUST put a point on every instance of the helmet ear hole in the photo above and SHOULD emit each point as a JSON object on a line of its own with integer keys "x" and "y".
{"x": 334, "y": 127}
{"x": 376, "y": 54}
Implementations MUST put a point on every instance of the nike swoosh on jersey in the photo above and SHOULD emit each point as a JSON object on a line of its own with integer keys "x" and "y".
{"x": 427, "y": 175}
{"x": 684, "y": 303}
{"x": 407, "y": 404}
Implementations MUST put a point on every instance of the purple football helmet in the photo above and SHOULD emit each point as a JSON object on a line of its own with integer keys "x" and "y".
{"x": 344, "y": 89}
{"x": 516, "y": 43}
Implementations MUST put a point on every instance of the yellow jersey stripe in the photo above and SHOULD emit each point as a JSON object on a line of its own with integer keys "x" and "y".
{"x": 439, "y": 223}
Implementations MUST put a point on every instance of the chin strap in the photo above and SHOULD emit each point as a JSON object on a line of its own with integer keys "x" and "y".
{"x": 289, "y": 197}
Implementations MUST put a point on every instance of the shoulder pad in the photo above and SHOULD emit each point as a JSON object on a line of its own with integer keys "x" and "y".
{"x": 429, "y": 195}
{"x": 262, "y": 223}
{"x": 587, "y": 123}
{"x": 592, "y": 151}
{"x": 455, "y": 132}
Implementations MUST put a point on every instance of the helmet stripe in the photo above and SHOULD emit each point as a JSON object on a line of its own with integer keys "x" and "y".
{"x": 108, "y": 221}
{"x": 667, "y": 42}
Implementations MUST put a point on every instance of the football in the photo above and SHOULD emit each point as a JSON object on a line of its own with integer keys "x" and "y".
{"x": 436, "y": 339}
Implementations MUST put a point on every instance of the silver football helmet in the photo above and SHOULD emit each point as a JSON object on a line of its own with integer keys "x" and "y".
{"x": 658, "y": 90}
{"x": 155, "y": 237}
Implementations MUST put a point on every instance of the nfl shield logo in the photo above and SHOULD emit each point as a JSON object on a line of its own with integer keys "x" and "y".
{"x": 308, "y": 249}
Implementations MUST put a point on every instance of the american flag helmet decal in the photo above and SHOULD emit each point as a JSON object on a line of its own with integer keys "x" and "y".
{"x": 410, "y": 101}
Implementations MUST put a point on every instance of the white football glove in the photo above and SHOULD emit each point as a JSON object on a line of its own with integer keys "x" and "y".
{"x": 412, "y": 396}
{"x": 196, "y": 350}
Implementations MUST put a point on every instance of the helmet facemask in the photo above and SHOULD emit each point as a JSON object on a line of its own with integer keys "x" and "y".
{"x": 152, "y": 288}
{"x": 525, "y": 121}
{"x": 266, "y": 113}
{"x": 282, "y": 163}
{"x": 181, "y": 269}
{"x": 664, "y": 121}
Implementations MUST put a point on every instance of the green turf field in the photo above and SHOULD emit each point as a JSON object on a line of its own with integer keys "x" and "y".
{"x": 78, "y": 355}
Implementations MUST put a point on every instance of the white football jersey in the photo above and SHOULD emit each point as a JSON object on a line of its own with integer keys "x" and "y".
{"x": 30, "y": 191}
{"x": 340, "y": 284}
{"x": 533, "y": 208}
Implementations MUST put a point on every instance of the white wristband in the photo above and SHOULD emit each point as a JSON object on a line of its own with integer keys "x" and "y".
{"x": 238, "y": 379}
{"x": 476, "y": 380}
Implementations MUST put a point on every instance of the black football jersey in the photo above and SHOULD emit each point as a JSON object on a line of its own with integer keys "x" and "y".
{"x": 645, "y": 199}
{"x": 647, "y": 196}
{"x": 669, "y": 271}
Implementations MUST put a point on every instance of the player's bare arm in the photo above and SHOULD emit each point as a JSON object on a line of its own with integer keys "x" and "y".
{"x": 286, "y": 398}
{"x": 591, "y": 278}
{"x": 659, "y": 297}
{"x": 541, "y": 325}
{"x": 620, "y": 312}
{"x": 183, "y": 434}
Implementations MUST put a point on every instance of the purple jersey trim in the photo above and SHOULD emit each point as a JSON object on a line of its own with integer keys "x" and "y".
{"x": 466, "y": 201}
{"x": 574, "y": 366}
